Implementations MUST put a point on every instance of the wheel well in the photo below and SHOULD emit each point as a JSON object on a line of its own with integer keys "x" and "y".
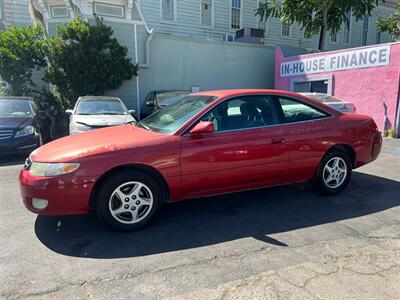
{"x": 346, "y": 149}
{"x": 136, "y": 167}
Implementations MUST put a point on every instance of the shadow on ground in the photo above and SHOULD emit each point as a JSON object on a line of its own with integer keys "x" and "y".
{"x": 202, "y": 222}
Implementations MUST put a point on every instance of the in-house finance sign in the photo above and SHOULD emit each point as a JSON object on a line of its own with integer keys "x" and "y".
{"x": 354, "y": 59}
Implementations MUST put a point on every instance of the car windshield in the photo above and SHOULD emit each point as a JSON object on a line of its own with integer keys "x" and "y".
{"x": 100, "y": 107}
{"x": 169, "y": 98}
{"x": 16, "y": 108}
{"x": 171, "y": 118}
{"x": 323, "y": 98}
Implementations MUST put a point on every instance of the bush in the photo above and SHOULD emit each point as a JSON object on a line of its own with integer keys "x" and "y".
{"x": 85, "y": 59}
{"x": 21, "y": 51}
{"x": 51, "y": 117}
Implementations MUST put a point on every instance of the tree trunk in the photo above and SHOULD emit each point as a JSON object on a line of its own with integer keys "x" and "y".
{"x": 321, "y": 42}
{"x": 322, "y": 34}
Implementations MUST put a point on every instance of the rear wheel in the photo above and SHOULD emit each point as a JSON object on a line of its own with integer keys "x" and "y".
{"x": 128, "y": 201}
{"x": 333, "y": 173}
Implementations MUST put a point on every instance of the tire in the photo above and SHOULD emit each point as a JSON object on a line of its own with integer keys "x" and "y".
{"x": 142, "y": 201}
{"x": 333, "y": 173}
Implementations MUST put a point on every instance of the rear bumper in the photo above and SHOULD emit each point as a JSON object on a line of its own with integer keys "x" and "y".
{"x": 376, "y": 145}
{"x": 66, "y": 194}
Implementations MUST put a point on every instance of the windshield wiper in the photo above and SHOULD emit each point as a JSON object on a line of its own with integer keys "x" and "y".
{"x": 140, "y": 125}
{"x": 109, "y": 114}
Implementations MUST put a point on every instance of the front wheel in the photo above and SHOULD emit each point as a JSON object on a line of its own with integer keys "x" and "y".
{"x": 333, "y": 173}
{"x": 128, "y": 201}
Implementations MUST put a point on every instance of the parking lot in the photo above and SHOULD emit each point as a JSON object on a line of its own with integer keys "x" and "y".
{"x": 278, "y": 243}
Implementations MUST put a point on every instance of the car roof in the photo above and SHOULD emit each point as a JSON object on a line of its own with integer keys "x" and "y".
{"x": 241, "y": 92}
{"x": 15, "y": 98}
{"x": 98, "y": 98}
{"x": 168, "y": 91}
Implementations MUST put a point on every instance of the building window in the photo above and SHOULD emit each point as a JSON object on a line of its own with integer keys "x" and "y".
{"x": 365, "y": 30}
{"x": 235, "y": 14}
{"x": 109, "y": 10}
{"x": 59, "y": 12}
{"x": 206, "y": 12}
{"x": 378, "y": 37}
{"x": 346, "y": 29}
{"x": 168, "y": 10}
{"x": 285, "y": 30}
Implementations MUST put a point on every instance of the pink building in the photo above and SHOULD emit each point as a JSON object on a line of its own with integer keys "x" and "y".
{"x": 366, "y": 76}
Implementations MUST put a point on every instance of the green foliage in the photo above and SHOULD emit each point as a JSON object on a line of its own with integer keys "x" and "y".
{"x": 317, "y": 16}
{"x": 389, "y": 24}
{"x": 392, "y": 132}
{"x": 21, "y": 51}
{"x": 85, "y": 59}
{"x": 51, "y": 117}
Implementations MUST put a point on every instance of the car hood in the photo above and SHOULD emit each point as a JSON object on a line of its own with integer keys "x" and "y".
{"x": 14, "y": 122}
{"x": 95, "y": 142}
{"x": 102, "y": 120}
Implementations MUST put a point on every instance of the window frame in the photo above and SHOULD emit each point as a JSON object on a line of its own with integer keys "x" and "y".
{"x": 240, "y": 15}
{"x": 53, "y": 16}
{"x": 282, "y": 115}
{"x": 174, "y": 11}
{"x": 275, "y": 105}
{"x": 283, "y": 23}
{"x": 109, "y": 5}
{"x": 212, "y": 14}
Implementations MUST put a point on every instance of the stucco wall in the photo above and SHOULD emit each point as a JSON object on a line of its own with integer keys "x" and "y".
{"x": 179, "y": 63}
{"x": 367, "y": 88}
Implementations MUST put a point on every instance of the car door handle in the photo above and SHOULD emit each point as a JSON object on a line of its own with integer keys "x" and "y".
{"x": 278, "y": 141}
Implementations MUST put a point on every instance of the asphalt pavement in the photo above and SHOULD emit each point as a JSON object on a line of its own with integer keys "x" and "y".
{"x": 278, "y": 243}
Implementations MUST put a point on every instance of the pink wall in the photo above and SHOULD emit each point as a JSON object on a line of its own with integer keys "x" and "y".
{"x": 367, "y": 88}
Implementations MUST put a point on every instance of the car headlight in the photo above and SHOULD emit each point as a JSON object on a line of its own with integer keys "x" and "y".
{"x": 52, "y": 169}
{"x": 78, "y": 127}
{"x": 28, "y": 130}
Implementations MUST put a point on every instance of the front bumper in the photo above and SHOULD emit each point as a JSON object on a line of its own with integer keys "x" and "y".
{"x": 23, "y": 144}
{"x": 66, "y": 194}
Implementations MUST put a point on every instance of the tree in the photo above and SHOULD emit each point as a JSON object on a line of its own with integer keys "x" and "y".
{"x": 21, "y": 51}
{"x": 85, "y": 59}
{"x": 391, "y": 24}
{"x": 317, "y": 16}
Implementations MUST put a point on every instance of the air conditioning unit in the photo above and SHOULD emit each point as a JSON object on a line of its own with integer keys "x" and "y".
{"x": 250, "y": 35}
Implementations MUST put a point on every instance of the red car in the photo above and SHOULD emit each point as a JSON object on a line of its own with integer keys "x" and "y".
{"x": 207, "y": 144}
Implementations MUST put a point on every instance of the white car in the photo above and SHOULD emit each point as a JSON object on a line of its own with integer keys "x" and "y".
{"x": 332, "y": 101}
{"x": 92, "y": 112}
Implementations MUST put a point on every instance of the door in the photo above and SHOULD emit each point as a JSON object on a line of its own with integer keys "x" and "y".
{"x": 310, "y": 130}
{"x": 247, "y": 149}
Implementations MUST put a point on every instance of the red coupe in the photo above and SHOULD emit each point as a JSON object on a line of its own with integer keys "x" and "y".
{"x": 207, "y": 144}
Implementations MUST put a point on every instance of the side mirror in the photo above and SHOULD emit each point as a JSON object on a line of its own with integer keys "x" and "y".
{"x": 69, "y": 111}
{"x": 132, "y": 112}
{"x": 203, "y": 127}
{"x": 150, "y": 103}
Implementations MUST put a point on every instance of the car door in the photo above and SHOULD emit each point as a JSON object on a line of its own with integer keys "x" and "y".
{"x": 310, "y": 129}
{"x": 247, "y": 149}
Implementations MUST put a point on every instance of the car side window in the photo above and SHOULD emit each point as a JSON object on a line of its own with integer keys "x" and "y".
{"x": 243, "y": 112}
{"x": 297, "y": 111}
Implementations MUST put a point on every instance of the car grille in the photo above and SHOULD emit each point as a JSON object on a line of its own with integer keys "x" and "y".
{"x": 6, "y": 133}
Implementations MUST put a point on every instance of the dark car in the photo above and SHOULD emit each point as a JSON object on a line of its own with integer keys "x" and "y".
{"x": 155, "y": 100}
{"x": 17, "y": 133}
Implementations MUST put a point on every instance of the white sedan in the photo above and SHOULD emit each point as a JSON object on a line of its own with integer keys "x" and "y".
{"x": 332, "y": 101}
{"x": 92, "y": 112}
